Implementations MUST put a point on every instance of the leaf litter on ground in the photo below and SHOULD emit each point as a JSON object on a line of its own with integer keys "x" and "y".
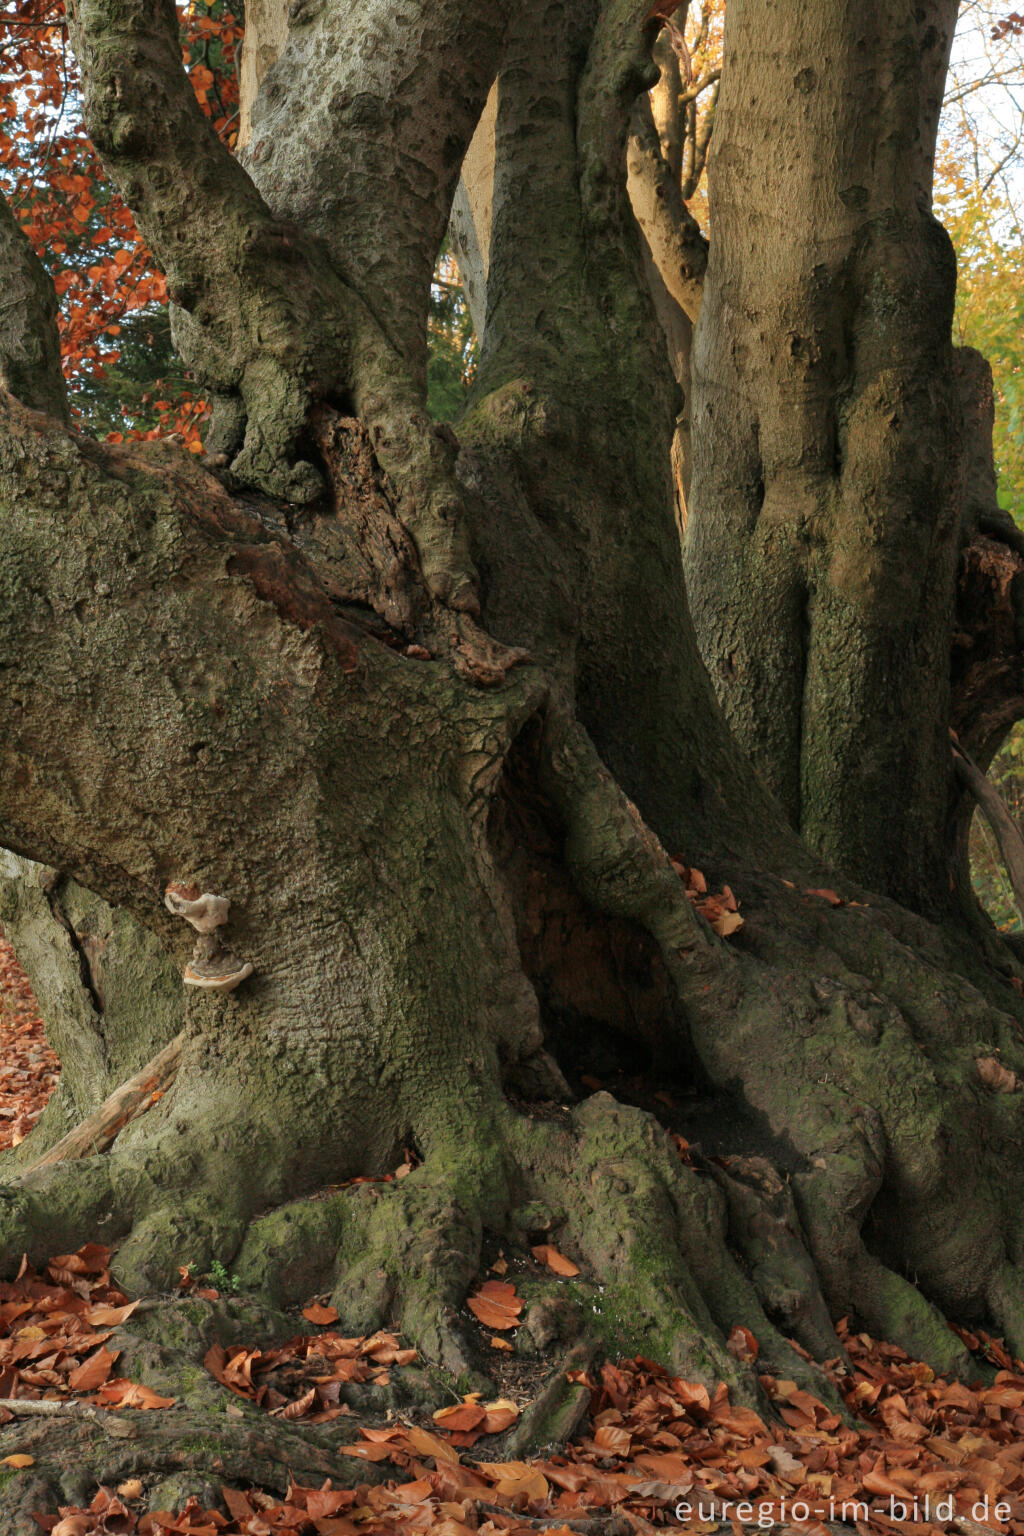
{"x": 54, "y": 1329}
{"x": 29, "y": 1068}
{"x": 654, "y": 1441}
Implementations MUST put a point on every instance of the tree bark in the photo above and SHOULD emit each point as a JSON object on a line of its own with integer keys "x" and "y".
{"x": 446, "y": 842}
{"x": 824, "y": 524}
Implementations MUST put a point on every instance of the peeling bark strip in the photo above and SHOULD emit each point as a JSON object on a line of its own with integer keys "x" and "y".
{"x": 132, "y": 1099}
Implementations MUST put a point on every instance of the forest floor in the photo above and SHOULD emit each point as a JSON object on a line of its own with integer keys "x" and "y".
{"x": 915, "y": 1454}
{"x": 28, "y": 1068}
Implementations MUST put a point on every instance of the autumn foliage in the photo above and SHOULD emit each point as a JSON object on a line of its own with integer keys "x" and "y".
{"x": 80, "y": 227}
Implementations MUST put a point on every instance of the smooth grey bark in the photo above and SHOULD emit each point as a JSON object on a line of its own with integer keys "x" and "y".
{"x": 400, "y": 93}
{"x": 824, "y": 524}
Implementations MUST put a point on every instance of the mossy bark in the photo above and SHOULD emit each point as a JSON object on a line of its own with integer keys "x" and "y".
{"x": 436, "y": 833}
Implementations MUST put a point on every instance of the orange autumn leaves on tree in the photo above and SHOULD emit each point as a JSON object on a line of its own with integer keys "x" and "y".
{"x": 75, "y": 219}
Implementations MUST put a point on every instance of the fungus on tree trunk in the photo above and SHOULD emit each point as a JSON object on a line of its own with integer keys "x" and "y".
{"x": 214, "y": 966}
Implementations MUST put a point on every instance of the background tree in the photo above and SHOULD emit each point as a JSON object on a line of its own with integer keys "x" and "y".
{"x": 427, "y": 706}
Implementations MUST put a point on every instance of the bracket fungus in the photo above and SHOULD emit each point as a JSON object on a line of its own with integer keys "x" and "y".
{"x": 214, "y": 966}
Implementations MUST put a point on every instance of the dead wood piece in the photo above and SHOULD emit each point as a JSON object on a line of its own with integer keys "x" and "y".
{"x": 125, "y": 1104}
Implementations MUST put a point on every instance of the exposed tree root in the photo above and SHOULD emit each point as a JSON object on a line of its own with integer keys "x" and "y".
{"x": 883, "y": 1185}
{"x": 194, "y": 1449}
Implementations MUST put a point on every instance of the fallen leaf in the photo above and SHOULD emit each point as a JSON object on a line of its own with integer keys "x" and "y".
{"x": 546, "y": 1253}
{"x": 464, "y": 1415}
{"x": 74, "y": 1525}
{"x": 826, "y": 895}
{"x": 742, "y": 1344}
{"x": 320, "y": 1315}
{"x": 132, "y": 1489}
{"x": 785, "y": 1465}
{"x": 995, "y": 1076}
{"x": 728, "y": 922}
{"x": 92, "y": 1373}
{"x": 19, "y": 1459}
{"x": 511, "y": 1478}
{"x": 502, "y": 1344}
{"x": 496, "y": 1305}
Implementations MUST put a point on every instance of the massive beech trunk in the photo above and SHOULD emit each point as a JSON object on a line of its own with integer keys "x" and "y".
{"x": 824, "y": 520}
{"x": 428, "y": 708}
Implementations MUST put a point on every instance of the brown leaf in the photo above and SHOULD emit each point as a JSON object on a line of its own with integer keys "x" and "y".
{"x": 500, "y": 1415}
{"x": 514, "y": 1477}
{"x": 464, "y": 1415}
{"x": 110, "y": 1317}
{"x": 320, "y": 1315}
{"x": 727, "y": 923}
{"x": 74, "y": 1525}
{"x": 826, "y": 895}
{"x": 995, "y": 1076}
{"x": 238, "y": 1505}
{"x": 426, "y": 1444}
{"x": 92, "y": 1373}
{"x": 742, "y": 1344}
{"x": 19, "y": 1459}
{"x": 129, "y": 1394}
{"x": 613, "y": 1439}
{"x": 299, "y": 1408}
{"x": 496, "y": 1305}
{"x": 786, "y": 1466}
{"x": 547, "y": 1253}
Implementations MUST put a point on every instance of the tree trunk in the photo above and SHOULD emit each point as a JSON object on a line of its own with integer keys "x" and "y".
{"x": 825, "y": 510}
{"x": 435, "y": 731}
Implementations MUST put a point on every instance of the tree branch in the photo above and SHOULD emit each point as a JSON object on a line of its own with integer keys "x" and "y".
{"x": 274, "y": 322}
{"x": 1007, "y": 833}
{"x": 155, "y": 141}
{"x": 370, "y": 160}
{"x": 678, "y": 249}
{"x": 29, "y": 346}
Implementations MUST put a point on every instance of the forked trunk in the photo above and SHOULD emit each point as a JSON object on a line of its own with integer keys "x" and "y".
{"x": 435, "y": 725}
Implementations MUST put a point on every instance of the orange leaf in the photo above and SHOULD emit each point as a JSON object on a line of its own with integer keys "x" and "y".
{"x": 465, "y": 1415}
{"x": 742, "y": 1344}
{"x": 546, "y": 1253}
{"x": 92, "y": 1373}
{"x": 320, "y": 1315}
{"x": 496, "y": 1305}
